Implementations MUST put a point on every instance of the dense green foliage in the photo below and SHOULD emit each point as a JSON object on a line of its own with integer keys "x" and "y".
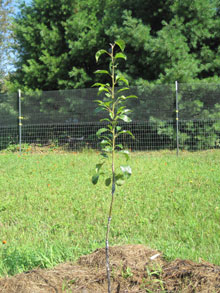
{"x": 5, "y": 10}
{"x": 50, "y": 212}
{"x": 56, "y": 41}
{"x": 114, "y": 105}
{"x": 166, "y": 41}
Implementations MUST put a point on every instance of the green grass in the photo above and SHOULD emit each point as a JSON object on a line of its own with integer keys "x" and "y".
{"x": 50, "y": 212}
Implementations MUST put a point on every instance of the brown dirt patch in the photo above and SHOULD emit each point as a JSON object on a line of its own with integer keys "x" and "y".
{"x": 133, "y": 270}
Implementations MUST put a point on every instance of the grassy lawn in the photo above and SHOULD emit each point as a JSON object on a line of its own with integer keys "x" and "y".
{"x": 50, "y": 212}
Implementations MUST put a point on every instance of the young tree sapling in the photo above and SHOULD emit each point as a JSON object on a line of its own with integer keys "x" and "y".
{"x": 113, "y": 104}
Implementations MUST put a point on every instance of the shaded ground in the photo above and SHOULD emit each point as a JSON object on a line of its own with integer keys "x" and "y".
{"x": 135, "y": 268}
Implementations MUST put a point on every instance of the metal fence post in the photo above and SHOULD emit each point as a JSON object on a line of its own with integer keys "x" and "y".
{"x": 19, "y": 118}
{"x": 177, "y": 121}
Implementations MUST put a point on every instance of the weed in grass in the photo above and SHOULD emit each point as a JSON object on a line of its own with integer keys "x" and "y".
{"x": 66, "y": 286}
{"x": 16, "y": 147}
{"x": 153, "y": 282}
{"x": 126, "y": 273}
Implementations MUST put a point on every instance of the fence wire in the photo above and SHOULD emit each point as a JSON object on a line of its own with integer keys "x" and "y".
{"x": 68, "y": 118}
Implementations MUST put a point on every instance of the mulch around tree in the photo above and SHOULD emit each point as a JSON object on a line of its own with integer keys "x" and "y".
{"x": 134, "y": 268}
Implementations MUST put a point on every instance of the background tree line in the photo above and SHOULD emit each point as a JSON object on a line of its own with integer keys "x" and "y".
{"x": 166, "y": 40}
{"x": 5, "y": 26}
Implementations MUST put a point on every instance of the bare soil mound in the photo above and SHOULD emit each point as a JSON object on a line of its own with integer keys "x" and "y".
{"x": 135, "y": 268}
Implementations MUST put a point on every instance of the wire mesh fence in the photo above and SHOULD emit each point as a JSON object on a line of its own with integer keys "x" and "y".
{"x": 163, "y": 117}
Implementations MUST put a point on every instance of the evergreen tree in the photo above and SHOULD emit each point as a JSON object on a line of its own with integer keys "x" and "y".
{"x": 166, "y": 41}
{"x": 5, "y": 10}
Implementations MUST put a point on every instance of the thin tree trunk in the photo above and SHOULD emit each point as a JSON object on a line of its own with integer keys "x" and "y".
{"x": 107, "y": 237}
{"x": 110, "y": 213}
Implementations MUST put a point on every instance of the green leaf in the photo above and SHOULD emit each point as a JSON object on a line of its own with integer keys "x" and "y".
{"x": 108, "y": 181}
{"x": 119, "y": 146}
{"x": 120, "y": 182}
{"x": 99, "y": 102}
{"x": 111, "y": 115}
{"x": 101, "y": 130}
{"x": 118, "y": 128}
{"x": 108, "y": 137}
{"x": 122, "y": 110}
{"x": 125, "y": 118}
{"x": 110, "y": 127}
{"x": 122, "y": 78}
{"x": 105, "y": 143}
{"x": 103, "y": 105}
{"x": 108, "y": 94}
{"x": 122, "y": 89}
{"x": 98, "y": 84}
{"x": 126, "y": 154}
{"x": 99, "y": 53}
{"x": 126, "y": 170}
{"x": 101, "y": 71}
{"x": 99, "y": 109}
{"x": 105, "y": 119}
{"x": 107, "y": 149}
{"x": 120, "y": 55}
{"x": 103, "y": 89}
{"x": 119, "y": 110}
{"x": 98, "y": 167}
{"x": 95, "y": 178}
{"x": 126, "y": 132}
{"x": 107, "y": 103}
{"x": 122, "y": 97}
{"x": 121, "y": 44}
{"x": 104, "y": 155}
{"x": 119, "y": 179}
{"x": 132, "y": 97}
{"x": 126, "y": 111}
